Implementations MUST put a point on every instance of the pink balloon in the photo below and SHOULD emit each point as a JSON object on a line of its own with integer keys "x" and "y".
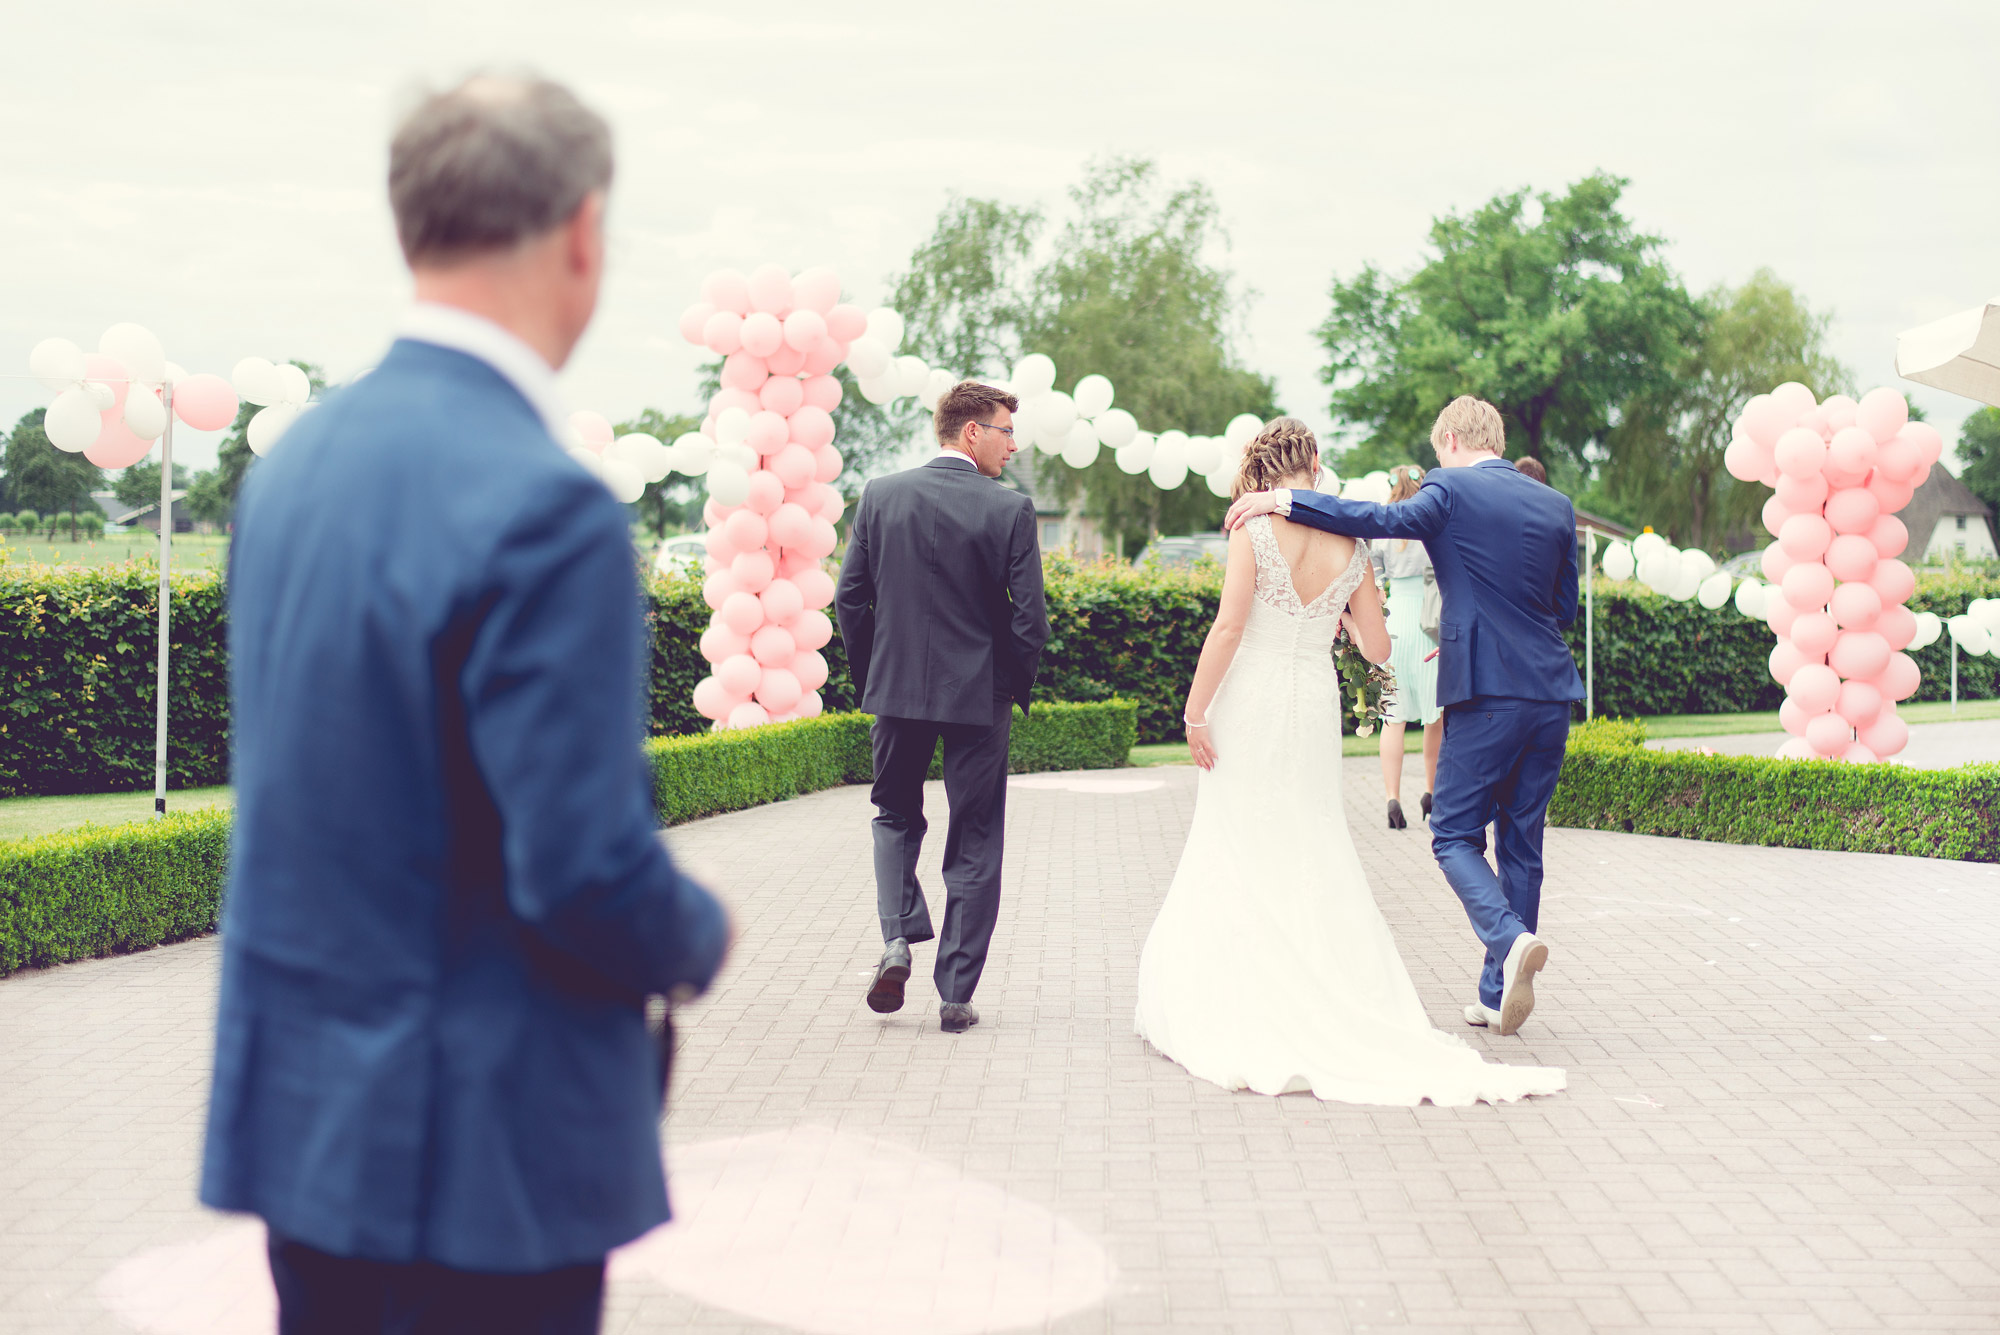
{"x": 749, "y": 714}
{"x": 1898, "y": 460}
{"x": 1828, "y": 734}
{"x": 1859, "y": 703}
{"x": 816, "y": 289}
{"x": 116, "y": 446}
{"x": 779, "y": 690}
{"x": 1883, "y": 412}
{"x": 719, "y": 545}
{"x": 770, "y": 290}
{"x": 1815, "y": 686}
{"x": 1894, "y": 581}
{"x": 1775, "y": 562}
{"x": 767, "y": 493}
{"x": 1900, "y": 679}
{"x": 723, "y": 400}
{"x": 782, "y": 601}
{"x": 719, "y": 642}
{"x": 1927, "y": 440}
{"x": 745, "y": 531}
{"x": 793, "y": 466}
{"x": 832, "y": 504}
{"x": 1897, "y": 625}
{"x": 715, "y": 515}
{"x": 805, "y": 330}
{"x": 739, "y": 674}
{"x": 813, "y": 629}
{"x": 1805, "y": 537}
{"x": 1799, "y": 452}
{"x": 824, "y": 393}
{"x": 810, "y": 705}
{"x": 712, "y": 699}
{"x": 773, "y": 646}
{"x": 1851, "y": 557}
{"x": 1802, "y": 494}
{"x": 1781, "y": 615}
{"x": 205, "y": 402}
{"x": 744, "y": 371}
{"x": 727, "y": 290}
{"x": 790, "y": 524}
{"x": 1854, "y": 607}
{"x": 787, "y": 360}
{"x": 1859, "y": 653}
{"x": 1892, "y": 496}
{"x": 823, "y": 356}
{"x": 1841, "y": 412}
{"x": 754, "y": 571}
{"x": 1814, "y": 633}
{"x": 1791, "y": 718}
{"x": 1888, "y": 734}
{"x": 827, "y": 464}
{"x": 782, "y": 394}
{"x": 1775, "y": 513}
{"x": 1797, "y": 748}
{"x": 1819, "y": 423}
{"x": 694, "y": 321}
{"x": 767, "y": 432}
{"x": 716, "y": 589}
{"x": 810, "y": 668}
{"x": 1889, "y": 536}
{"x": 1858, "y": 753}
{"x": 1853, "y": 510}
{"x": 742, "y": 613}
{"x": 816, "y": 587}
{"x": 846, "y": 322}
{"x": 723, "y": 333}
{"x": 1807, "y": 584}
{"x": 812, "y": 427}
{"x": 762, "y": 334}
{"x": 1794, "y": 398}
{"x": 97, "y": 366}
{"x": 1746, "y": 460}
{"x": 822, "y": 540}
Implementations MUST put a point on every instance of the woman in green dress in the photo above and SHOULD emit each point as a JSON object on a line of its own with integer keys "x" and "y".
{"x": 1404, "y": 569}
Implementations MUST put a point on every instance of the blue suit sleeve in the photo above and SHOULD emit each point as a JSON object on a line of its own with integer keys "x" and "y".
{"x": 1421, "y": 516}
{"x": 1566, "y": 578}
{"x": 552, "y": 694}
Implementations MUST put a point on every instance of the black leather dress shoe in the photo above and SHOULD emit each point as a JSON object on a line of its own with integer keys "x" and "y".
{"x": 1396, "y": 821}
{"x": 885, "y": 994}
{"x": 955, "y": 1017}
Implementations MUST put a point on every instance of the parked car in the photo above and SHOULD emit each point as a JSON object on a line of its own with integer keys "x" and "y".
{"x": 1185, "y": 551}
{"x": 683, "y": 552}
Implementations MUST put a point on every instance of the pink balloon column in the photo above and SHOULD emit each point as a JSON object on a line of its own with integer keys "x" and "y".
{"x": 1840, "y": 471}
{"x": 771, "y": 504}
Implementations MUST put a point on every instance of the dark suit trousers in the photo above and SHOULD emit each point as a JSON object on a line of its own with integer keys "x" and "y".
{"x": 319, "y": 1294}
{"x": 1498, "y": 767}
{"x": 975, "y": 784}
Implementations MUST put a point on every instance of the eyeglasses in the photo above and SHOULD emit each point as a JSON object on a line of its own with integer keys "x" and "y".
{"x": 1006, "y": 431}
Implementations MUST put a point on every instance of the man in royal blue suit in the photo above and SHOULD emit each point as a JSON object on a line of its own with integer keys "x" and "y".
{"x": 448, "y": 901}
{"x": 1504, "y": 547}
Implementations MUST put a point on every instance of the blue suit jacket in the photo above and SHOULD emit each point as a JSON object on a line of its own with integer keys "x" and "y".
{"x": 1504, "y": 548}
{"x": 447, "y": 895}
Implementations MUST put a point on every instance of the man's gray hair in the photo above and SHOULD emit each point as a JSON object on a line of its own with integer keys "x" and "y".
{"x": 491, "y": 163}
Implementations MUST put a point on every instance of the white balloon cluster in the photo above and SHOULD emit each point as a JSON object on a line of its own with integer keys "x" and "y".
{"x": 107, "y": 403}
{"x": 280, "y": 389}
{"x": 625, "y": 464}
{"x": 1678, "y": 574}
{"x": 1976, "y": 630}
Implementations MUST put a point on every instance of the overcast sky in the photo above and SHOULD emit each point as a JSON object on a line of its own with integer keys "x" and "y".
{"x": 215, "y": 171}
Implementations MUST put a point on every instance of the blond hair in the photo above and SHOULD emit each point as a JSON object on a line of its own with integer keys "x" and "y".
{"x": 1284, "y": 447}
{"x": 1404, "y": 479}
{"x": 1475, "y": 422}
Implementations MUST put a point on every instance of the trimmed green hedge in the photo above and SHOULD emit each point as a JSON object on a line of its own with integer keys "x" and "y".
{"x": 1610, "y": 781}
{"x": 106, "y": 890}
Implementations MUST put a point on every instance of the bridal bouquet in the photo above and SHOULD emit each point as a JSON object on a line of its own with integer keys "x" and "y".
{"x": 1373, "y": 685}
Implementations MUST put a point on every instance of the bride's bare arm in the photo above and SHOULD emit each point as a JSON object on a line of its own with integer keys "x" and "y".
{"x": 1219, "y": 649}
{"x": 1365, "y": 622}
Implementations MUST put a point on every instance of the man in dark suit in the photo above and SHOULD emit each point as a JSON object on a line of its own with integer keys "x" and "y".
{"x": 940, "y": 606}
{"x": 1504, "y": 547}
{"x": 448, "y": 901}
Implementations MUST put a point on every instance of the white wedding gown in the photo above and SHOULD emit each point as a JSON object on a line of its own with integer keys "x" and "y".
{"x": 1270, "y": 967}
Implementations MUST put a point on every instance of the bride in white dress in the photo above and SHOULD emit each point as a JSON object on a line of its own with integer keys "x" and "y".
{"x": 1269, "y": 967}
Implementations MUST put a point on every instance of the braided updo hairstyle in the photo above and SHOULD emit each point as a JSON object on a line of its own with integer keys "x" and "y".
{"x": 1284, "y": 447}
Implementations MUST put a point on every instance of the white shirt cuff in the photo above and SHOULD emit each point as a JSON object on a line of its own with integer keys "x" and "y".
{"x": 1283, "y": 497}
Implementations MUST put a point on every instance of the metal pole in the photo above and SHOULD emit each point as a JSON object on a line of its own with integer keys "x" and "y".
{"x": 1954, "y": 676}
{"x": 166, "y": 559}
{"x": 1589, "y": 624}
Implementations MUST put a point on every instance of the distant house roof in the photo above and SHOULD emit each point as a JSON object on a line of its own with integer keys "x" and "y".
{"x": 118, "y": 512}
{"x": 1584, "y": 519}
{"x": 1941, "y": 497}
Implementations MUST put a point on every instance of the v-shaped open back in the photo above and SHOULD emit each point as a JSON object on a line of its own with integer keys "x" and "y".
{"x": 1277, "y": 582}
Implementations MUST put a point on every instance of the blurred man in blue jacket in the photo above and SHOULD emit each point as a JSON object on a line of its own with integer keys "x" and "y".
{"x": 448, "y": 901}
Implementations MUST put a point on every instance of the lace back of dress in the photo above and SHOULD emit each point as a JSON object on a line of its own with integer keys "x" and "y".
{"x": 1274, "y": 587}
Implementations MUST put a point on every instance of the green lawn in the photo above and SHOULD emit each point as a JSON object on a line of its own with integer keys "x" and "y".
{"x": 191, "y": 550}
{"x": 23, "y": 816}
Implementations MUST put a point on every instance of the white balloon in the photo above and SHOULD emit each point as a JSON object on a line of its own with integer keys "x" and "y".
{"x": 1054, "y": 417}
{"x": 1221, "y": 482}
{"x": 57, "y": 363}
{"x": 1929, "y": 627}
{"x": 1135, "y": 456}
{"x": 256, "y": 381}
{"x": 73, "y": 421}
{"x": 692, "y": 454}
{"x": 293, "y": 386}
{"x": 1093, "y": 395}
{"x": 1168, "y": 471}
{"x": 1116, "y": 428}
{"x": 1750, "y": 595}
{"x": 886, "y": 328}
{"x": 1969, "y": 635}
{"x": 590, "y": 460}
{"x": 1698, "y": 562}
{"x": 270, "y": 424}
{"x": 728, "y": 482}
{"x": 1034, "y": 375}
{"x": 1204, "y": 454}
{"x": 1171, "y": 445}
{"x": 936, "y": 386}
{"x": 145, "y": 415}
{"x": 1079, "y": 449}
{"x": 880, "y": 390}
{"x": 911, "y": 376}
{"x": 622, "y": 478}
{"x": 175, "y": 373}
{"x": 867, "y": 357}
{"x": 135, "y": 347}
{"x": 1242, "y": 429}
{"x": 104, "y": 392}
{"x": 1618, "y": 563}
{"x": 731, "y": 425}
{"x": 1648, "y": 542}
{"x": 741, "y": 455}
{"x": 647, "y": 457}
{"x": 1713, "y": 591}
{"x": 1986, "y": 611}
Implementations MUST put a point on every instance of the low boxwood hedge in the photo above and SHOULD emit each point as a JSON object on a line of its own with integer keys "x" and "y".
{"x": 107, "y": 890}
{"x": 1610, "y": 781}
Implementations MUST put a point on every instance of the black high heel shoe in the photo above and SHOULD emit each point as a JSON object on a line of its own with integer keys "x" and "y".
{"x": 1427, "y": 806}
{"x": 1396, "y": 821}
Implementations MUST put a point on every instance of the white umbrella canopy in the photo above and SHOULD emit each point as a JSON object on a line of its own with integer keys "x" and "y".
{"x": 1960, "y": 353}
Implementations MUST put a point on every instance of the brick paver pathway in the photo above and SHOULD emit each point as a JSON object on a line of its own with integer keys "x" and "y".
{"x": 1781, "y": 1114}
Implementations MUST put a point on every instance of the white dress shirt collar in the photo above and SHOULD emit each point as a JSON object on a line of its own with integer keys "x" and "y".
{"x": 476, "y": 336}
{"x": 947, "y": 452}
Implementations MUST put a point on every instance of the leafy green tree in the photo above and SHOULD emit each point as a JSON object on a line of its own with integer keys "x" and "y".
{"x": 670, "y": 506}
{"x": 140, "y": 484}
{"x": 41, "y": 477}
{"x": 1557, "y": 320}
{"x": 1979, "y": 455}
{"x": 1665, "y": 458}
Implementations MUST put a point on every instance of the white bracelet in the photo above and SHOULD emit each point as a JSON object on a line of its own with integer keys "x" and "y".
{"x": 1191, "y": 723}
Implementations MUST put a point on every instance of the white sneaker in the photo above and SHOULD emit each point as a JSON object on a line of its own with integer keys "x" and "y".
{"x": 1479, "y": 1013}
{"x": 1525, "y": 959}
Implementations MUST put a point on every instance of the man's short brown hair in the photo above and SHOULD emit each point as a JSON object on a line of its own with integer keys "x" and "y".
{"x": 1475, "y": 422}
{"x": 968, "y": 401}
{"x": 1533, "y": 468}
